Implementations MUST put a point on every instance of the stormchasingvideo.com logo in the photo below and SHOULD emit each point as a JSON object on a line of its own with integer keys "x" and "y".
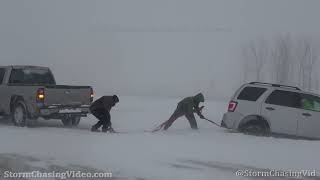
{"x": 55, "y": 175}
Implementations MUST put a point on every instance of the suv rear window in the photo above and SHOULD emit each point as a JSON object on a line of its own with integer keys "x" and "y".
{"x": 2, "y": 72}
{"x": 251, "y": 93}
{"x": 284, "y": 98}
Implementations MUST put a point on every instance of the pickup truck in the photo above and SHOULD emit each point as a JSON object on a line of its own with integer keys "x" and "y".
{"x": 28, "y": 93}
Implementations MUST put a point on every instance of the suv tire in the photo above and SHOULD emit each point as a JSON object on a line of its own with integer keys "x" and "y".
{"x": 255, "y": 127}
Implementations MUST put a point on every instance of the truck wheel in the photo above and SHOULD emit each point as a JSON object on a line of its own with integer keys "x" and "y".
{"x": 67, "y": 122}
{"x": 75, "y": 120}
{"x": 71, "y": 121}
{"x": 19, "y": 114}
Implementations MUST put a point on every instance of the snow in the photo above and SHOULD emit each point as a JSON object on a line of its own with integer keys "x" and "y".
{"x": 179, "y": 153}
{"x": 70, "y": 110}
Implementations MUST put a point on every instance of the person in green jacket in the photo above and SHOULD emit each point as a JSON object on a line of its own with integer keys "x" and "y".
{"x": 187, "y": 107}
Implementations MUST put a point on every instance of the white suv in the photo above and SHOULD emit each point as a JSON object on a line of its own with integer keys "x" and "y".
{"x": 262, "y": 108}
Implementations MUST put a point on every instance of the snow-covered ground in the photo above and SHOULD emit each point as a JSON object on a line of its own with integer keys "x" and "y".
{"x": 180, "y": 153}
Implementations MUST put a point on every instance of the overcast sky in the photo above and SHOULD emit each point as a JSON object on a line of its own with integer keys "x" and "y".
{"x": 147, "y": 47}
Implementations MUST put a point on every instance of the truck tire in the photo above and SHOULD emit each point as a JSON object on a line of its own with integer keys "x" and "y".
{"x": 19, "y": 115}
{"x": 71, "y": 121}
{"x": 66, "y": 122}
{"x": 76, "y": 120}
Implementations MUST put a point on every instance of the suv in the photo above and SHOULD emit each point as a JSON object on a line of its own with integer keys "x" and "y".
{"x": 263, "y": 108}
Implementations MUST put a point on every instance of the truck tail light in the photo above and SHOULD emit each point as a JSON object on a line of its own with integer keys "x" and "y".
{"x": 232, "y": 106}
{"x": 40, "y": 95}
{"x": 91, "y": 95}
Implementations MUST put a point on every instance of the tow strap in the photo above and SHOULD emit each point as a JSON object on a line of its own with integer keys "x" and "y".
{"x": 213, "y": 122}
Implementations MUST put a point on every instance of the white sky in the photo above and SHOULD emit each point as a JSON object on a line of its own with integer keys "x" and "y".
{"x": 147, "y": 47}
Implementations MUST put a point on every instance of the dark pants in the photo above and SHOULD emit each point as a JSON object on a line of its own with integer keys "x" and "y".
{"x": 104, "y": 119}
{"x": 177, "y": 114}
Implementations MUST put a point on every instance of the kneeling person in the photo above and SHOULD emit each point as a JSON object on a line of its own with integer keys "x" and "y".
{"x": 101, "y": 110}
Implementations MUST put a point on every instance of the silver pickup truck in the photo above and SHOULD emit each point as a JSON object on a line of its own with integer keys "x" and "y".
{"x": 28, "y": 93}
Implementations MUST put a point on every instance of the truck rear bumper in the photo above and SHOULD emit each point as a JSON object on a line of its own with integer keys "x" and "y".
{"x": 58, "y": 112}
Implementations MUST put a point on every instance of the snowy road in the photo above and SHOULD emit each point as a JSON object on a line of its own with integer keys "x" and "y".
{"x": 180, "y": 153}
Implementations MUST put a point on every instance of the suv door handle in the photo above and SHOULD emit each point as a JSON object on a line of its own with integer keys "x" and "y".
{"x": 306, "y": 114}
{"x": 270, "y": 108}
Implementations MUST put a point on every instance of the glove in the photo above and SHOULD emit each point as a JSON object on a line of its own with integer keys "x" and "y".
{"x": 201, "y": 116}
{"x": 198, "y": 110}
{"x": 201, "y": 108}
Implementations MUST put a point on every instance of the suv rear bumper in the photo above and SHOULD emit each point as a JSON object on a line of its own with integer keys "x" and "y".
{"x": 231, "y": 120}
{"x": 223, "y": 124}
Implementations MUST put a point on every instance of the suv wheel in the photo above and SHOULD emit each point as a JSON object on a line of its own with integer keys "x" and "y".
{"x": 255, "y": 128}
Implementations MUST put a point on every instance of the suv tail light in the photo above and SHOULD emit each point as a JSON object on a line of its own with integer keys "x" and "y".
{"x": 91, "y": 95}
{"x": 40, "y": 95}
{"x": 232, "y": 106}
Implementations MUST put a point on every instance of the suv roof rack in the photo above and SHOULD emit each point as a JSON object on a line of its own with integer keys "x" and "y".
{"x": 275, "y": 85}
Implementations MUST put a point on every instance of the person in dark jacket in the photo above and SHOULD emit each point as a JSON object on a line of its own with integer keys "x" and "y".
{"x": 187, "y": 107}
{"x": 101, "y": 110}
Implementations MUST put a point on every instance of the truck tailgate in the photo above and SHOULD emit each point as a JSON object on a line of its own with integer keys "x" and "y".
{"x": 67, "y": 95}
